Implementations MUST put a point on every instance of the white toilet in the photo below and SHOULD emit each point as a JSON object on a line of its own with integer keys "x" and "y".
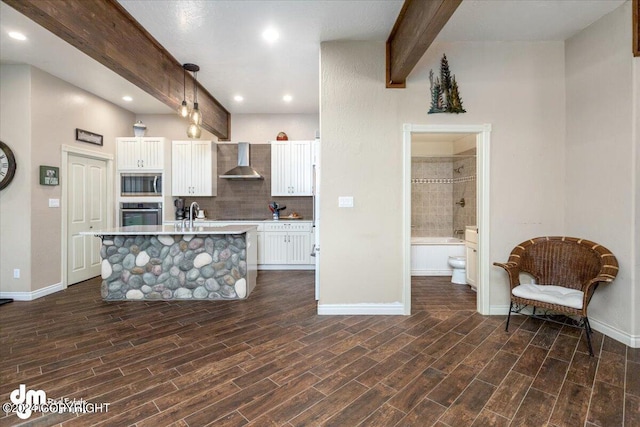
{"x": 458, "y": 264}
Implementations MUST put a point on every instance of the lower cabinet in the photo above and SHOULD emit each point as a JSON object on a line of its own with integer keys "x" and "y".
{"x": 287, "y": 243}
{"x": 280, "y": 243}
{"x": 471, "y": 247}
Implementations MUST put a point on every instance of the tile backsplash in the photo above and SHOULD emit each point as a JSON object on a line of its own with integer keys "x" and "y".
{"x": 248, "y": 198}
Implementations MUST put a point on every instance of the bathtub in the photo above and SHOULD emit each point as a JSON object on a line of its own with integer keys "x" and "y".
{"x": 430, "y": 255}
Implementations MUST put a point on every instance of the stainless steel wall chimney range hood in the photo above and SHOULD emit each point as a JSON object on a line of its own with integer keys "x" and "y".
{"x": 243, "y": 170}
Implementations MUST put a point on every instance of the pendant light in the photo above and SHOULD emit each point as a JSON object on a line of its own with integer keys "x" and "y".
{"x": 195, "y": 115}
{"x": 183, "y": 110}
{"x": 194, "y": 131}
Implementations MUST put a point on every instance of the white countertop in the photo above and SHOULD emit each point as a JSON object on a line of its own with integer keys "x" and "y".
{"x": 246, "y": 221}
{"x": 157, "y": 230}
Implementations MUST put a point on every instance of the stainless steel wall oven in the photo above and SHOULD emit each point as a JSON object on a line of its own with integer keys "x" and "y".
{"x": 140, "y": 214}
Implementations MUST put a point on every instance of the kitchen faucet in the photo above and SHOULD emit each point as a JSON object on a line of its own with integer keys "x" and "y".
{"x": 191, "y": 213}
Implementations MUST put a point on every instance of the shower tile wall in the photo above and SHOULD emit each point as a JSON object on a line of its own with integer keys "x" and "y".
{"x": 464, "y": 185}
{"x": 434, "y": 212}
{"x": 431, "y": 203}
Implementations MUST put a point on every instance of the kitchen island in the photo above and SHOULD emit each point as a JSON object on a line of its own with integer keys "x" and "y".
{"x": 172, "y": 263}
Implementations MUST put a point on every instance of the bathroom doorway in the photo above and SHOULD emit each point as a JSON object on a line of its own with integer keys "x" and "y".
{"x": 449, "y": 162}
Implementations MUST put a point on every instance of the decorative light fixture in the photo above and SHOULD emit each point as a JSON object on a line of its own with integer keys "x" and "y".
{"x": 183, "y": 110}
{"x": 194, "y": 131}
{"x": 195, "y": 115}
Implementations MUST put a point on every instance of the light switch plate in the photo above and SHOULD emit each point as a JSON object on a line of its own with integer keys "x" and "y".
{"x": 345, "y": 201}
{"x": 54, "y": 203}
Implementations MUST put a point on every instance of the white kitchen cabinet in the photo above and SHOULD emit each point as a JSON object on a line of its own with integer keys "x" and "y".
{"x": 193, "y": 168}
{"x": 291, "y": 168}
{"x": 140, "y": 153}
{"x": 260, "y": 235}
{"x": 284, "y": 244}
{"x": 287, "y": 243}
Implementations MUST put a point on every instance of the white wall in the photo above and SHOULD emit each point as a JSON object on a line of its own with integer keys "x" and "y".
{"x": 516, "y": 87}
{"x": 601, "y": 173}
{"x": 15, "y": 213}
{"x": 47, "y": 112}
{"x": 262, "y": 128}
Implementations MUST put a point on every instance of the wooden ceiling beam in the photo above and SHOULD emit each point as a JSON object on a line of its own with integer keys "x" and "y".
{"x": 106, "y": 32}
{"x": 416, "y": 27}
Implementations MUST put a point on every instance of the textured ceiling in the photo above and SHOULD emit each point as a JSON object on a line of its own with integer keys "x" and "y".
{"x": 224, "y": 38}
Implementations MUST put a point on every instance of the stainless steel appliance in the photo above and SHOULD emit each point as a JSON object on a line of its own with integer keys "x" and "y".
{"x": 140, "y": 184}
{"x": 140, "y": 214}
{"x": 244, "y": 169}
{"x": 179, "y": 204}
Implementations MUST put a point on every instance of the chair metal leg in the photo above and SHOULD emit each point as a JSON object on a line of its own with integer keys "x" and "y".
{"x": 587, "y": 332}
{"x": 508, "y": 317}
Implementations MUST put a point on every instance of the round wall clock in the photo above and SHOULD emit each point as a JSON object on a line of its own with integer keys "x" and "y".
{"x": 7, "y": 165}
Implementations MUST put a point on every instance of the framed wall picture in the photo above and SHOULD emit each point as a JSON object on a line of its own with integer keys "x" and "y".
{"x": 49, "y": 175}
{"x": 90, "y": 137}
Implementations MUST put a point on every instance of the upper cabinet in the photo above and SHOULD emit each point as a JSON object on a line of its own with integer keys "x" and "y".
{"x": 140, "y": 153}
{"x": 194, "y": 168}
{"x": 291, "y": 168}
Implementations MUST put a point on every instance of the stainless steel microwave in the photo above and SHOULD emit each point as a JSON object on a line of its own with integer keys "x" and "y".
{"x": 140, "y": 184}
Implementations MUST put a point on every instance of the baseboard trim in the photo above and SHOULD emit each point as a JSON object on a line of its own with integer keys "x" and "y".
{"x": 608, "y": 330}
{"x": 286, "y": 267}
{"x": 498, "y": 310}
{"x": 615, "y": 333}
{"x": 30, "y": 296}
{"x": 389, "y": 309}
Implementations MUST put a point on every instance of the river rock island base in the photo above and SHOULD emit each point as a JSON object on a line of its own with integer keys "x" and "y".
{"x": 178, "y": 266}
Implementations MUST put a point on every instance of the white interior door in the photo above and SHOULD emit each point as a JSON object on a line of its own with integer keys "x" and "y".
{"x": 87, "y": 209}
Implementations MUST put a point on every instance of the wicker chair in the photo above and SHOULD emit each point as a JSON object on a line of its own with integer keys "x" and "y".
{"x": 566, "y": 272}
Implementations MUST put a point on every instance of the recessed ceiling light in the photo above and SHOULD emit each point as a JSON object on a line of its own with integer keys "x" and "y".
{"x": 270, "y": 34}
{"x": 238, "y": 98}
{"x": 127, "y": 98}
{"x": 287, "y": 98}
{"x": 16, "y": 35}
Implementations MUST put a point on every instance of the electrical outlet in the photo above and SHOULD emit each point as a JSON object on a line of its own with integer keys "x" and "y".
{"x": 16, "y": 273}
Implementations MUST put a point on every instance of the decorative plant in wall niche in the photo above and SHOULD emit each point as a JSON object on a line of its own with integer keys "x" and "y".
{"x": 445, "y": 97}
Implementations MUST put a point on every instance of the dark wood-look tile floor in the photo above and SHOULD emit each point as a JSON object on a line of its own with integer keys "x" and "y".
{"x": 271, "y": 360}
